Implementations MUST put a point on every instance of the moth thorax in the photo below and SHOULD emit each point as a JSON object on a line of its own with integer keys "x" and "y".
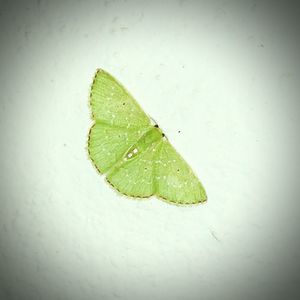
{"x": 132, "y": 152}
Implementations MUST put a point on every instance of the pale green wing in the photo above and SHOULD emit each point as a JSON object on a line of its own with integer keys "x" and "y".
{"x": 112, "y": 104}
{"x": 134, "y": 177}
{"x": 107, "y": 144}
{"x": 174, "y": 179}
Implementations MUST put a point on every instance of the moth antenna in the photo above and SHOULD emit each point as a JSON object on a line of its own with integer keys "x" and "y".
{"x": 154, "y": 122}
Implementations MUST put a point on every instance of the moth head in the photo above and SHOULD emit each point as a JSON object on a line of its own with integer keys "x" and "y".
{"x": 160, "y": 131}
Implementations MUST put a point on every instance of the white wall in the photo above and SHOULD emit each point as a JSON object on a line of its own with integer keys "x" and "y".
{"x": 224, "y": 73}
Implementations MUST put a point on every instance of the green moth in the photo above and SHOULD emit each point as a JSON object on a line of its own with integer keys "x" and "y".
{"x": 135, "y": 155}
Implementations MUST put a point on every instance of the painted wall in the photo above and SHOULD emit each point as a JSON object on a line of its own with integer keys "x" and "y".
{"x": 223, "y": 73}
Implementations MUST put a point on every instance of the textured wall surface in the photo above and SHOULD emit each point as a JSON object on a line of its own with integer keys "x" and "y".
{"x": 223, "y": 73}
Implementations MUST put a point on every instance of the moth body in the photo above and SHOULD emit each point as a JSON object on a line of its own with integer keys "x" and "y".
{"x": 133, "y": 152}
